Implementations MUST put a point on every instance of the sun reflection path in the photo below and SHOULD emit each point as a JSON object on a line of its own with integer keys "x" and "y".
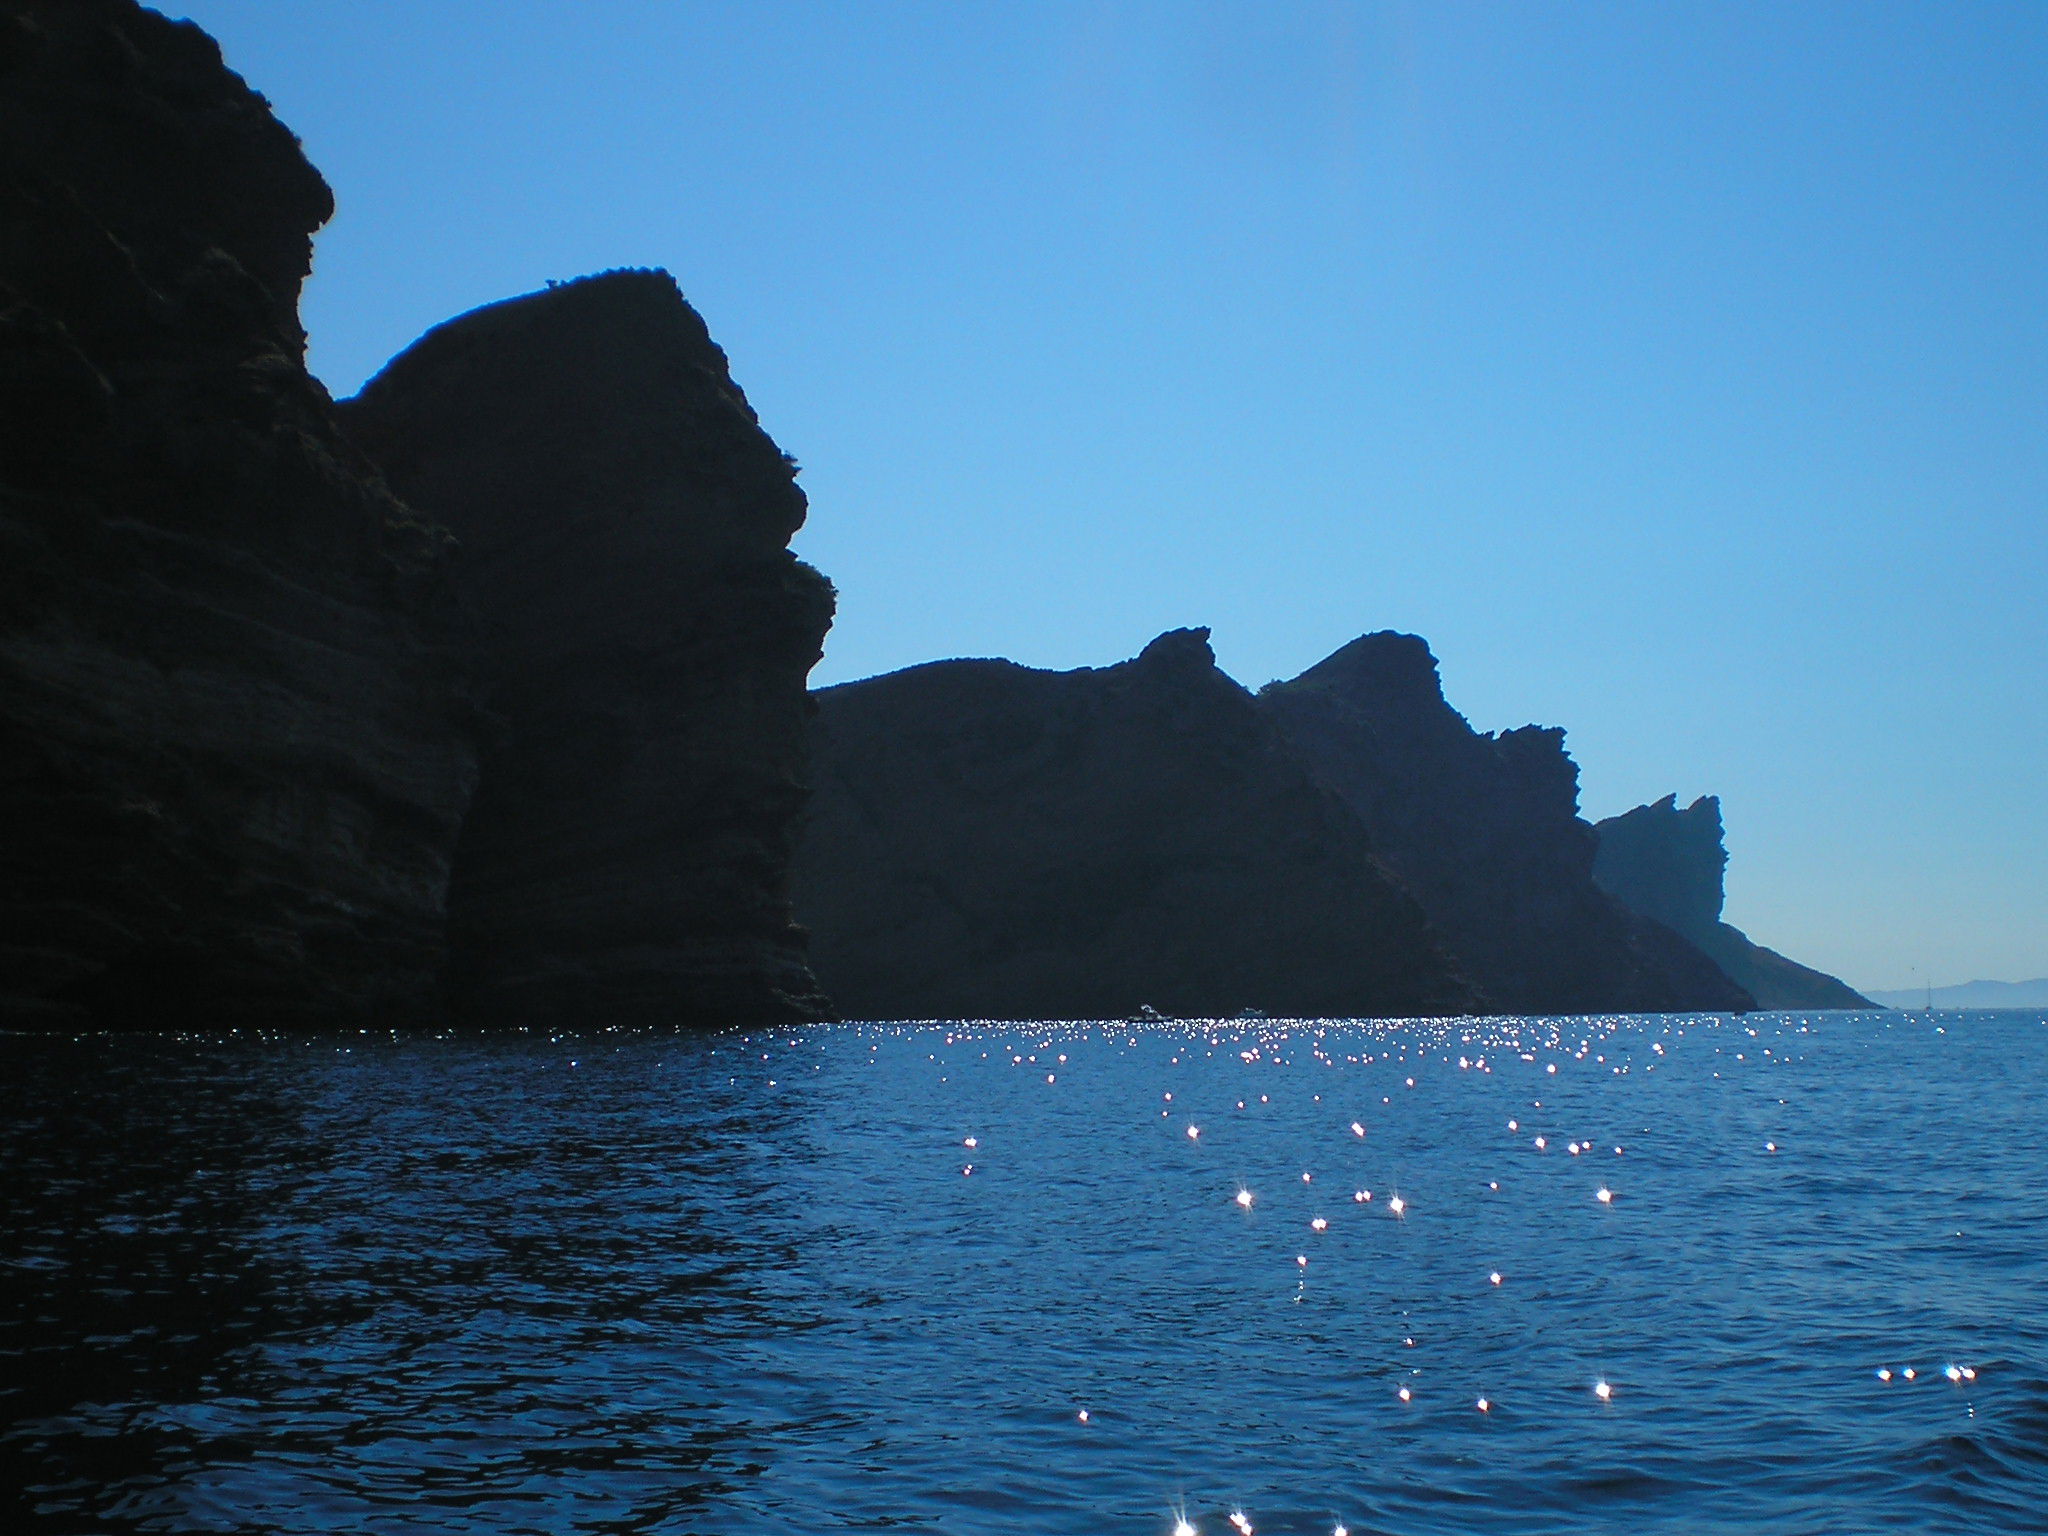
{"x": 1281, "y": 1050}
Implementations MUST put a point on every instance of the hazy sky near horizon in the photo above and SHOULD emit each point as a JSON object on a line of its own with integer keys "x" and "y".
{"x": 1679, "y": 370}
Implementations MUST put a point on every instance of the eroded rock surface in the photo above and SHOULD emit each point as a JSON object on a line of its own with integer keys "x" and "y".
{"x": 234, "y": 738}
{"x": 647, "y": 634}
{"x": 1485, "y": 831}
{"x": 1670, "y": 864}
{"x": 992, "y": 841}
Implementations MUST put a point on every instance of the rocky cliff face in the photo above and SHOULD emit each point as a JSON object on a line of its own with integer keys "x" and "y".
{"x": 624, "y": 524}
{"x": 240, "y": 681}
{"x": 1485, "y": 831}
{"x": 234, "y": 745}
{"x": 987, "y": 840}
{"x": 1670, "y": 865}
{"x": 1666, "y": 863}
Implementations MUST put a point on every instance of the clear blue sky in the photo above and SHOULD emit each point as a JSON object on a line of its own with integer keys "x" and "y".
{"x": 1679, "y": 370}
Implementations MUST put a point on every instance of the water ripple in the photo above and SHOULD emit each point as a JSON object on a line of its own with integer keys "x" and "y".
{"x": 979, "y": 1278}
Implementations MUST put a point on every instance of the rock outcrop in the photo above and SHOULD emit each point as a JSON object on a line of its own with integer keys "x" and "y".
{"x": 235, "y": 742}
{"x": 1669, "y": 865}
{"x": 988, "y": 840}
{"x": 245, "y": 691}
{"x": 647, "y": 634}
{"x": 1484, "y": 830}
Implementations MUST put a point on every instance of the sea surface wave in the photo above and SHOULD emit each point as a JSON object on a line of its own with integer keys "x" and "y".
{"x": 995, "y": 1278}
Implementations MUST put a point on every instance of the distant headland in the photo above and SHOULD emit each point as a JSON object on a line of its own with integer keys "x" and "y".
{"x": 1970, "y": 994}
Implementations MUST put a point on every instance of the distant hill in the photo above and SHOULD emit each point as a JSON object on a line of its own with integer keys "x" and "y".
{"x": 1485, "y": 831}
{"x": 987, "y": 840}
{"x": 1667, "y": 864}
{"x": 1972, "y": 994}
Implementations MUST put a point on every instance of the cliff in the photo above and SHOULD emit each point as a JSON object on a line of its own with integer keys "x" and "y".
{"x": 1485, "y": 831}
{"x": 1669, "y": 865}
{"x": 647, "y": 634}
{"x": 247, "y": 773}
{"x": 989, "y": 840}
{"x": 235, "y": 742}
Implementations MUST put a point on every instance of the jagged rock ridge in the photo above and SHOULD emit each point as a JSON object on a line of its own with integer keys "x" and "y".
{"x": 1485, "y": 831}
{"x": 1670, "y": 865}
{"x": 234, "y": 741}
{"x": 624, "y": 523}
{"x": 990, "y": 840}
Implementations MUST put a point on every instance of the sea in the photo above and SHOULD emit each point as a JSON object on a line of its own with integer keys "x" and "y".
{"x": 1781, "y": 1273}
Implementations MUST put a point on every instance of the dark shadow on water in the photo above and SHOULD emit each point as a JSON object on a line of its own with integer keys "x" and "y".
{"x": 368, "y": 1284}
{"x": 128, "y": 1277}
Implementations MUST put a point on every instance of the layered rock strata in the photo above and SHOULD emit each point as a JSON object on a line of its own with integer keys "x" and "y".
{"x": 987, "y": 840}
{"x": 647, "y": 634}
{"x": 235, "y": 743}
{"x": 1670, "y": 864}
{"x": 1484, "y": 830}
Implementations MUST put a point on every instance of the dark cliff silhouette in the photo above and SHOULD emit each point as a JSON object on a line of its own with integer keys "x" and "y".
{"x": 989, "y": 840}
{"x": 241, "y": 684}
{"x": 624, "y": 524}
{"x": 1669, "y": 864}
{"x": 234, "y": 744}
{"x": 277, "y": 747}
{"x": 1485, "y": 831}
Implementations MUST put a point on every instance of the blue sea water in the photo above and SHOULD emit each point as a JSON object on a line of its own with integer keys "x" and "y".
{"x": 872, "y": 1277}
